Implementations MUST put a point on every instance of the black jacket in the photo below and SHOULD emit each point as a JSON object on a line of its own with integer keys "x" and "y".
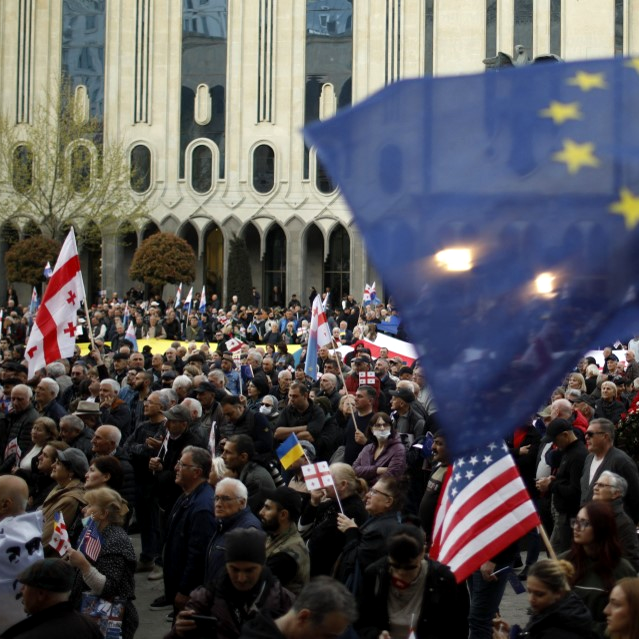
{"x": 566, "y": 487}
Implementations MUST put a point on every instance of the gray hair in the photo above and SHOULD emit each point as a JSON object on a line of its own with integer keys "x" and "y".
{"x": 606, "y": 426}
{"x": 238, "y": 487}
{"x": 170, "y": 394}
{"x": 201, "y": 458}
{"x": 23, "y": 388}
{"x": 218, "y": 375}
{"x": 619, "y": 482}
{"x": 164, "y": 400}
{"x": 194, "y": 406}
{"x": 256, "y": 355}
{"x": 56, "y": 369}
{"x": 74, "y": 422}
{"x": 323, "y": 596}
{"x": 51, "y": 384}
{"x": 182, "y": 381}
{"x": 115, "y": 386}
{"x": 285, "y": 371}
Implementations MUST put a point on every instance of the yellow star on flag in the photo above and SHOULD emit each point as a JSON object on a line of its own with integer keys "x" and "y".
{"x": 575, "y": 156}
{"x": 628, "y": 206}
{"x": 587, "y": 81}
{"x": 633, "y": 63}
{"x": 562, "y": 111}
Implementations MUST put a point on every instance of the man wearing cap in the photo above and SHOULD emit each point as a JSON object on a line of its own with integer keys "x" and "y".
{"x": 74, "y": 432}
{"x": 564, "y": 486}
{"x": 212, "y": 412}
{"x": 408, "y": 422}
{"x": 245, "y": 588}
{"x": 241, "y": 421}
{"x": 233, "y": 381}
{"x": 362, "y": 364}
{"x": 286, "y": 551}
{"x": 46, "y": 588}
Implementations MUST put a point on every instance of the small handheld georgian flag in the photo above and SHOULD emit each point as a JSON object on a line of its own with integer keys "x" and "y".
{"x": 317, "y": 475}
{"x": 60, "y": 537}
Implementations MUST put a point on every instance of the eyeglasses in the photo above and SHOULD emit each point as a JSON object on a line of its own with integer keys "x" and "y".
{"x": 592, "y": 433}
{"x": 598, "y": 484}
{"x": 180, "y": 464}
{"x": 225, "y": 499}
{"x": 580, "y": 524}
{"x": 374, "y": 491}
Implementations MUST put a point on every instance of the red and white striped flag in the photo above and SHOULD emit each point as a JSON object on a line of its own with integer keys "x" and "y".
{"x": 483, "y": 508}
{"x": 53, "y": 334}
{"x": 317, "y": 475}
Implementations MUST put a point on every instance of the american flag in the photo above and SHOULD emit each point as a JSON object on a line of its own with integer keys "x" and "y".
{"x": 60, "y": 537}
{"x": 484, "y": 507}
{"x": 317, "y": 475}
{"x": 90, "y": 541}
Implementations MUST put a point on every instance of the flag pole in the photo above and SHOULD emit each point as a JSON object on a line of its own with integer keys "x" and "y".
{"x": 341, "y": 374}
{"x": 339, "y": 502}
{"x": 89, "y": 327}
{"x": 544, "y": 537}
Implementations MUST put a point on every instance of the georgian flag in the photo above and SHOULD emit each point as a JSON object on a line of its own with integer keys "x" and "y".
{"x": 317, "y": 475}
{"x": 53, "y": 334}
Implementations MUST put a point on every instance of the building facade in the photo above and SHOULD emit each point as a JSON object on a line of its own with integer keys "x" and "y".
{"x": 210, "y": 98}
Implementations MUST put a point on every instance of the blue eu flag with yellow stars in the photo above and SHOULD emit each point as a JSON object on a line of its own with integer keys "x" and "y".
{"x": 502, "y": 213}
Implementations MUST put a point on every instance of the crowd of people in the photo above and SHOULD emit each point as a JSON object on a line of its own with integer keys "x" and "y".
{"x": 180, "y": 444}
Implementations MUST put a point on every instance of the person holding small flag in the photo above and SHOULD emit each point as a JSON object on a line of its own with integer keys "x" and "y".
{"x": 105, "y": 555}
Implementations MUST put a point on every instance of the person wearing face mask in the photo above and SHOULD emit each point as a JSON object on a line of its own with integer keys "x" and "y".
{"x": 385, "y": 456}
{"x": 269, "y": 408}
{"x": 406, "y": 591}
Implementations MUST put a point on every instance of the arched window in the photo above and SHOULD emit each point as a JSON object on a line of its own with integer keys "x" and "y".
{"x": 322, "y": 180}
{"x": 263, "y": 168}
{"x": 22, "y": 168}
{"x": 80, "y": 169}
{"x": 140, "y": 168}
{"x": 337, "y": 270}
{"x": 275, "y": 266}
{"x": 201, "y": 169}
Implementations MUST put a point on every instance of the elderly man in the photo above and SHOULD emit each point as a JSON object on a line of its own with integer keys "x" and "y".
{"x": 19, "y": 420}
{"x": 241, "y": 421}
{"x": 74, "y": 432}
{"x": 14, "y": 493}
{"x": 190, "y": 526}
{"x": 233, "y": 381}
{"x": 106, "y": 441}
{"x": 600, "y": 438}
{"x": 286, "y": 551}
{"x": 212, "y": 413}
{"x": 114, "y": 410}
{"x": 408, "y": 421}
{"x": 46, "y": 393}
{"x": 72, "y": 393}
{"x": 46, "y": 590}
{"x": 612, "y": 488}
{"x": 231, "y": 512}
{"x": 328, "y": 389}
{"x": 280, "y": 391}
{"x": 182, "y": 386}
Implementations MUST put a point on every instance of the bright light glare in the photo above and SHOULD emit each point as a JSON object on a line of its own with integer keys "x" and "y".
{"x": 459, "y": 259}
{"x": 545, "y": 283}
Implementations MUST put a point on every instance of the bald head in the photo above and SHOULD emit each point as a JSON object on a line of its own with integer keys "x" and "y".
{"x": 561, "y": 408}
{"x": 106, "y": 439}
{"x": 14, "y": 494}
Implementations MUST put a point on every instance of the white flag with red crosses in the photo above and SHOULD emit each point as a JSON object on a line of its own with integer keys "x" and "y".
{"x": 317, "y": 475}
{"x": 54, "y": 329}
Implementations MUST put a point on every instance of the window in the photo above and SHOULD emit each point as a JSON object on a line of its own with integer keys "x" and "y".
{"x": 80, "y": 169}
{"x": 337, "y": 270}
{"x": 201, "y": 169}
{"x": 275, "y": 263}
{"x": 22, "y": 169}
{"x": 140, "y": 168}
{"x": 263, "y": 168}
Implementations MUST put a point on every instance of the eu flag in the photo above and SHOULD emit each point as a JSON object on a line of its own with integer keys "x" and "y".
{"x": 501, "y": 210}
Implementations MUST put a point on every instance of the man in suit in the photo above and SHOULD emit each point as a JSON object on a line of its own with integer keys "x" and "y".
{"x": 600, "y": 438}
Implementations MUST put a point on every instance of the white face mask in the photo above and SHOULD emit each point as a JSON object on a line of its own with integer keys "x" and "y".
{"x": 382, "y": 434}
{"x": 266, "y": 410}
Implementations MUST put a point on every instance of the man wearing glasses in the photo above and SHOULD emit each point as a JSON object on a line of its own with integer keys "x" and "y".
{"x": 600, "y": 439}
{"x": 190, "y": 526}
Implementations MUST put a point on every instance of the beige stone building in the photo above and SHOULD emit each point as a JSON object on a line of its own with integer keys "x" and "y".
{"x": 210, "y": 97}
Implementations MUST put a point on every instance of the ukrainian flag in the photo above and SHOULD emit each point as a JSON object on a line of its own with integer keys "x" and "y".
{"x": 290, "y": 451}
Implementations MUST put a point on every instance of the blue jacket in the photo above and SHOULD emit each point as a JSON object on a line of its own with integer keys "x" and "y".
{"x": 191, "y": 524}
{"x": 215, "y": 552}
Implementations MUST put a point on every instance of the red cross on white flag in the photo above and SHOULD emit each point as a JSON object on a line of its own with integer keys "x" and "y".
{"x": 317, "y": 475}
{"x": 53, "y": 333}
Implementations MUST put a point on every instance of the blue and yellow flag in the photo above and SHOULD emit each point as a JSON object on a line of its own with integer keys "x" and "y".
{"x": 501, "y": 210}
{"x": 290, "y": 451}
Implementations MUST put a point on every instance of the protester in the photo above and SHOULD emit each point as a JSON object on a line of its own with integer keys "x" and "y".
{"x": 622, "y": 611}
{"x": 111, "y": 574}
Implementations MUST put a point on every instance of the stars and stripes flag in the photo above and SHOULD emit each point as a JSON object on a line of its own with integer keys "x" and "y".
{"x": 90, "y": 540}
{"x": 53, "y": 334}
{"x": 48, "y": 271}
{"x": 317, "y": 475}
{"x": 202, "y": 307}
{"x": 319, "y": 335}
{"x": 60, "y": 537}
{"x": 483, "y": 508}
{"x": 178, "y": 296}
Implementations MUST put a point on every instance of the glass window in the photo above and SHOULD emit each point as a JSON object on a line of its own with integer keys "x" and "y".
{"x": 263, "y": 168}
{"x": 140, "y": 168}
{"x": 202, "y": 169}
{"x": 275, "y": 264}
{"x": 491, "y": 28}
{"x": 81, "y": 169}
{"x": 555, "y": 27}
{"x": 22, "y": 168}
{"x": 337, "y": 270}
{"x": 619, "y": 18}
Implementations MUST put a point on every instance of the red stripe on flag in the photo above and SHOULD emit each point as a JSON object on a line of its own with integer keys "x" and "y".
{"x": 49, "y": 330}
{"x": 61, "y": 278}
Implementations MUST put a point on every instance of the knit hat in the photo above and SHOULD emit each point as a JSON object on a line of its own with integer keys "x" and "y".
{"x": 246, "y": 544}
